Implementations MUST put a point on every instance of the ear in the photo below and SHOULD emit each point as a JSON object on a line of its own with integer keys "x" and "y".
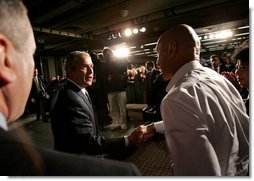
{"x": 7, "y": 74}
{"x": 172, "y": 46}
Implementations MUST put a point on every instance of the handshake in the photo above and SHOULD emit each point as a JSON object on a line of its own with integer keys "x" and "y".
{"x": 141, "y": 134}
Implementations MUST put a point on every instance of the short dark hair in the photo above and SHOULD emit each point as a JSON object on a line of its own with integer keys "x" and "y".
{"x": 243, "y": 55}
{"x": 107, "y": 50}
{"x": 150, "y": 63}
{"x": 214, "y": 56}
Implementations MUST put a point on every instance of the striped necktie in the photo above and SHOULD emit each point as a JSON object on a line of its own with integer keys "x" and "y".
{"x": 87, "y": 95}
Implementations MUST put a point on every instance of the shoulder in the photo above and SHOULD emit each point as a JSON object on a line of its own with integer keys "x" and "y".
{"x": 56, "y": 162}
{"x": 67, "y": 93}
{"x": 18, "y": 157}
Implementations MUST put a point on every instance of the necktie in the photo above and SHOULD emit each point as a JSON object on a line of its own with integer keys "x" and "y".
{"x": 87, "y": 95}
{"x": 37, "y": 83}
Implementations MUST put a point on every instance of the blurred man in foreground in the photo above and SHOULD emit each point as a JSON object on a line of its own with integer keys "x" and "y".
{"x": 17, "y": 156}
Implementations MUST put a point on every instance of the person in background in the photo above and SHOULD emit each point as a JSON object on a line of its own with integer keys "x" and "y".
{"x": 242, "y": 71}
{"x": 73, "y": 121}
{"x": 216, "y": 64}
{"x": 115, "y": 84}
{"x": 18, "y": 156}
{"x": 204, "y": 117}
{"x": 226, "y": 58}
{"x": 38, "y": 98}
{"x": 140, "y": 87}
{"x": 98, "y": 95}
{"x": 131, "y": 84}
{"x": 151, "y": 75}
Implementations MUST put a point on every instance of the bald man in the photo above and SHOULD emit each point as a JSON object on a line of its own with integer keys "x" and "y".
{"x": 204, "y": 118}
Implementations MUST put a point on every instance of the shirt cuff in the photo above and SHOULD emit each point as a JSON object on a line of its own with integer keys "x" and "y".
{"x": 159, "y": 127}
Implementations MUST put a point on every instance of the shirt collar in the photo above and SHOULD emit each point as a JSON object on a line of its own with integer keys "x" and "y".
{"x": 182, "y": 71}
{"x": 3, "y": 123}
{"x": 83, "y": 89}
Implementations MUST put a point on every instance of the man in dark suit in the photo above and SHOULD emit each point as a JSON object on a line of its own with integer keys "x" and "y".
{"x": 216, "y": 64}
{"x": 38, "y": 97}
{"x": 73, "y": 121}
{"x": 18, "y": 157}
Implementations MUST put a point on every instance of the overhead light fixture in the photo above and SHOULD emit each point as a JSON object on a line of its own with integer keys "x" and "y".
{"x": 121, "y": 52}
{"x": 128, "y": 32}
{"x": 124, "y": 12}
{"x": 135, "y": 30}
{"x": 225, "y": 34}
{"x": 242, "y": 27}
{"x": 143, "y": 29}
{"x": 217, "y": 35}
{"x": 211, "y": 36}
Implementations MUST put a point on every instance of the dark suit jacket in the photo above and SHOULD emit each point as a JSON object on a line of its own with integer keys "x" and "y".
{"x": 34, "y": 92}
{"x": 20, "y": 158}
{"x": 74, "y": 126}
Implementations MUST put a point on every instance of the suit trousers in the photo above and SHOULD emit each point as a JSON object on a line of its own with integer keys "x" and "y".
{"x": 117, "y": 107}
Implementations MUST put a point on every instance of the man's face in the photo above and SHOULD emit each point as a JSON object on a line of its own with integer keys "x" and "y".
{"x": 83, "y": 73}
{"x": 242, "y": 74}
{"x": 164, "y": 61}
{"x": 24, "y": 69}
{"x": 215, "y": 62}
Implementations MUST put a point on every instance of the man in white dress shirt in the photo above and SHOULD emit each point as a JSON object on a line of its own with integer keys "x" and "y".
{"x": 204, "y": 118}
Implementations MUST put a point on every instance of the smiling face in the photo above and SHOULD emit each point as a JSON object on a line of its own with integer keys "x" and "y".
{"x": 82, "y": 70}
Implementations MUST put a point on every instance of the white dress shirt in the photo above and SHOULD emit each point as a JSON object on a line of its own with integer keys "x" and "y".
{"x": 159, "y": 127}
{"x": 3, "y": 123}
{"x": 205, "y": 120}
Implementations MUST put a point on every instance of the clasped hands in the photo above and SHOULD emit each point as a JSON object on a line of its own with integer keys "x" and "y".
{"x": 141, "y": 134}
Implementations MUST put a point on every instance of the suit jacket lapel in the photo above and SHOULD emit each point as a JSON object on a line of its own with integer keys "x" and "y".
{"x": 88, "y": 103}
{"x": 81, "y": 94}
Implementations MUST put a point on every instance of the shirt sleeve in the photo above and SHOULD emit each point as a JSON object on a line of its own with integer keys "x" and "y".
{"x": 188, "y": 141}
{"x": 159, "y": 127}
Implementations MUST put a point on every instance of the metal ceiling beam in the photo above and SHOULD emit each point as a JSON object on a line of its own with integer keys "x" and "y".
{"x": 62, "y": 33}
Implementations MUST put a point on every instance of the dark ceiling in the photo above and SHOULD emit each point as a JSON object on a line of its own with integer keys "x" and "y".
{"x": 67, "y": 25}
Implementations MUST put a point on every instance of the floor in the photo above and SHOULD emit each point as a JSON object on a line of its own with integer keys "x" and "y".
{"x": 151, "y": 158}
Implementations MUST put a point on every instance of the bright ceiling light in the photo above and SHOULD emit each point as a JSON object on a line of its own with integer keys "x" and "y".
{"x": 128, "y": 32}
{"x": 224, "y": 34}
{"x": 143, "y": 29}
{"x": 121, "y": 52}
{"x": 211, "y": 36}
{"x": 135, "y": 30}
{"x": 217, "y": 35}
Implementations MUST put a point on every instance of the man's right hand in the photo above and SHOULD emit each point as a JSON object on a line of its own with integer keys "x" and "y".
{"x": 141, "y": 134}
